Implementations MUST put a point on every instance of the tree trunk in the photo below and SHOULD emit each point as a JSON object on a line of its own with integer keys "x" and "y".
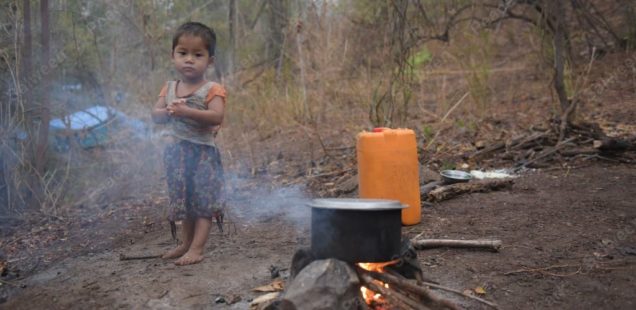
{"x": 26, "y": 45}
{"x": 557, "y": 12}
{"x": 44, "y": 109}
{"x": 232, "y": 23}
{"x": 301, "y": 61}
{"x": 278, "y": 19}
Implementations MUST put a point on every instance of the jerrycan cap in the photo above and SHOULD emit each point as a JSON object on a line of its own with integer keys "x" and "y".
{"x": 378, "y": 129}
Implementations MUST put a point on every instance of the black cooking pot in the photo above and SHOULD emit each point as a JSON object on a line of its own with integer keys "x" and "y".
{"x": 356, "y": 230}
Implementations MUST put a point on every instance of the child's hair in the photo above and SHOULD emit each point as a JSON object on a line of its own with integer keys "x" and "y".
{"x": 199, "y": 30}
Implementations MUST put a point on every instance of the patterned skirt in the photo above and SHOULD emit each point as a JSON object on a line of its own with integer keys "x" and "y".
{"x": 195, "y": 181}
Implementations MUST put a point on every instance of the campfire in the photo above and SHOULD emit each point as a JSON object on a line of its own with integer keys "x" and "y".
{"x": 359, "y": 260}
{"x": 371, "y": 298}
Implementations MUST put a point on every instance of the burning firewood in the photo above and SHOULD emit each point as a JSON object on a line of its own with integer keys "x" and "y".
{"x": 396, "y": 298}
{"x": 421, "y": 244}
{"x": 380, "y": 285}
{"x": 398, "y": 282}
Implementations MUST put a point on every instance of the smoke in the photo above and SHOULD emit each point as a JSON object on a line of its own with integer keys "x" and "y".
{"x": 257, "y": 201}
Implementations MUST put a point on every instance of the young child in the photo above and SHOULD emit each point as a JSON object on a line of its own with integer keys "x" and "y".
{"x": 192, "y": 108}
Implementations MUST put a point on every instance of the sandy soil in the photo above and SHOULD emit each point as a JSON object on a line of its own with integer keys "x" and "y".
{"x": 568, "y": 238}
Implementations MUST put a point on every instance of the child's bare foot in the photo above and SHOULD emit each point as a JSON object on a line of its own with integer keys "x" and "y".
{"x": 176, "y": 252}
{"x": 189, "y": 258}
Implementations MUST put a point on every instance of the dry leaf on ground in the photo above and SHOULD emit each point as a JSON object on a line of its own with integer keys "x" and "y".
{"x": 275, "y": 286}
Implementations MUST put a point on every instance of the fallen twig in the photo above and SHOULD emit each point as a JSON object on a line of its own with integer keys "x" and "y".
{"x": 332, "y": 173}
{"x": 523, "y": 142}
{"x": 448, "y": 289}
{"x": 133, "y": 257}
{"x": 549, "y": 152}
{"x": 545, "y": 270}
{"x": 422, "y": 244}
{"x": 444, "y": 118}
{"x": 12, "y": 284}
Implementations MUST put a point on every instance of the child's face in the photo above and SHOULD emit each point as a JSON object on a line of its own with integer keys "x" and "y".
{"x": 191, "y": 58}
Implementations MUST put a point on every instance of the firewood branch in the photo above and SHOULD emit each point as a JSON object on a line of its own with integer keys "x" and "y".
{"x": 431, "y": 298}
{"x": 450, "y": 191}
{"x": 395, "y": 297}
{"x": 422, "y": 244}
{"x": 448, "y": 289}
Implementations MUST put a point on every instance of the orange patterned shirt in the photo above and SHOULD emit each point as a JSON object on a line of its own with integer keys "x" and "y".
{"x": 188, "y": 129}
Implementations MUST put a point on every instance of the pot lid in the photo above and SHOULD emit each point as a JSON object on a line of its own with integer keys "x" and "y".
{"x": 356, "y": 204}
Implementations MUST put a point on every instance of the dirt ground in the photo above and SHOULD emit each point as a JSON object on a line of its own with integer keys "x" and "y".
{"x": 568, "y": 234}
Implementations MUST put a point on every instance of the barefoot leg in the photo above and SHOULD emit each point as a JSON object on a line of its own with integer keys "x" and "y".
{"x": 187, "y": 235}
{"x": 195, "y": 252}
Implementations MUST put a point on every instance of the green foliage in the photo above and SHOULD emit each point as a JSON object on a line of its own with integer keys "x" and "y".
{"x": 447, "y": 165}
{"x": 423, "y": 57}
{"x": 428, "y": 132}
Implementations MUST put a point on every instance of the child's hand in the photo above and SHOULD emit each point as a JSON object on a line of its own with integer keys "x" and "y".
{"x": 177, "y": 107}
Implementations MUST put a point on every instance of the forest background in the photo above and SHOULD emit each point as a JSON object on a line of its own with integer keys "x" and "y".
{"x": 304, "y": 77}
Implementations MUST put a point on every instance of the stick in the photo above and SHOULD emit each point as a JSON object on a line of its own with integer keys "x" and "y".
{"x": 404, "y": 283}
{"x": 448, "y": 289}
{"x": 396, "y": 298}
{"x": 423, "y": 244}
{"x": 521, "y": 143}
{"x": 579, "y": 151}
{"x": 12, "y": 284}
{"x": 133, "y": 257}
{"x": 542, "y": 269}
{"x": 444, "y": 118}
{"x": 485, "y": 151}
{"x": 549, "y": 152}
{"x": 453, "y": 190}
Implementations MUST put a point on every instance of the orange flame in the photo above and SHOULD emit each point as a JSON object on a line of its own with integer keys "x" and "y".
{"x": 377, "y": 267}
{"x": 370, "y": 296}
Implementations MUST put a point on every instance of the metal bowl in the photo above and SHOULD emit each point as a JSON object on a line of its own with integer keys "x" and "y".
{"x": 455, "y": 176}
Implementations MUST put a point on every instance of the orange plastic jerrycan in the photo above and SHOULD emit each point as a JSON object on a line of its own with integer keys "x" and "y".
{"x": 388, "y": 169}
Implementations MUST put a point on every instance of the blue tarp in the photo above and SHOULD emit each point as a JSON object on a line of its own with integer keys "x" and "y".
{"x": 89, "y": 127}
{"x": 85, "y": 119}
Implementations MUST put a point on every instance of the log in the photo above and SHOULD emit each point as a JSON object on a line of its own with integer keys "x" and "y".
{"x": 428, "y": 187}
{"x": 422, "y": 244}
{"x": 396, "y": 298}
{"x": 453, "y": 190}
{"x": 613, "y": 145}
{"x": 404, "y": 284}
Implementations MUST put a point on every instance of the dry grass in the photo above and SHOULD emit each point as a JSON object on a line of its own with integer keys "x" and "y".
{"x": 274, "y": 115}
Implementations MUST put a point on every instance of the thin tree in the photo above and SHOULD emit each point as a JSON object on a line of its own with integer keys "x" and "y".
{"x": 232, "y": 21}
{"x": 44, "y": 107}
{"x": 26, "y": 43}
